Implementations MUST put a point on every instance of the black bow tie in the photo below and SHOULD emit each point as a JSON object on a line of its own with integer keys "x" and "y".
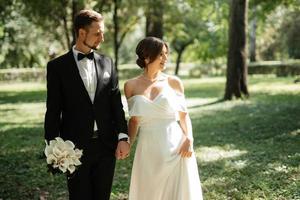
{"x": 81, "y": 56}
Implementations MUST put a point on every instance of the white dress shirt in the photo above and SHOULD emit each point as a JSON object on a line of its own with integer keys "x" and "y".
{"x": 88, "y": 75}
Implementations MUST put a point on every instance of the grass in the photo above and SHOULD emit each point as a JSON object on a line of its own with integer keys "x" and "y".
{"x": 246, "y": 149}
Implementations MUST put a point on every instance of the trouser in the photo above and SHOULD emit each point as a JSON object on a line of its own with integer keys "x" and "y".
{"x": 93, "y": 179}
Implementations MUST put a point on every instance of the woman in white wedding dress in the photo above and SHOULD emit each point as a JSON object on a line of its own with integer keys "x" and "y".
{"x": 164, "y": 166}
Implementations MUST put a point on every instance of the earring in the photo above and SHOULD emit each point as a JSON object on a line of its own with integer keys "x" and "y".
{"x": 147, "y": 61}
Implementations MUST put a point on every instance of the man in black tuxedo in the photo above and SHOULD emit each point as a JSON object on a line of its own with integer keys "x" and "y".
{"x": 84, "y": 106}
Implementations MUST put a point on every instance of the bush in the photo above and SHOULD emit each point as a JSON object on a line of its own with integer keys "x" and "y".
{"x": 207, "y": 70}
{"x": 39, "y": 74}
{"x": 280, "y": 68}
{"x": 23, "y": 74}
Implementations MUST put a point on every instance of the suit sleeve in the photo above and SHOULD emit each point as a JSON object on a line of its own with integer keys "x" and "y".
{"x": 53, "y": 112}
{"x": 117, "y": 106}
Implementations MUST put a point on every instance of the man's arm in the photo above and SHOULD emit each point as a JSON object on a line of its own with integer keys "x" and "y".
{"x": 53, "y": 112}
{"x": 117, "y": 106}
{"x": 123, "y": 147}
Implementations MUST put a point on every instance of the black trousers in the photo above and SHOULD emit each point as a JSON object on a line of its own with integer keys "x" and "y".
{"x": 93, "y": 179}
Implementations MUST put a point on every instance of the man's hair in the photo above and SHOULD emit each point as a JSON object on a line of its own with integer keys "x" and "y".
{"x": 84, "y": 18}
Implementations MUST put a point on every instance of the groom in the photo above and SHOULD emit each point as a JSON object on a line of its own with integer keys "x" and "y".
{"x": 84, "y": 106}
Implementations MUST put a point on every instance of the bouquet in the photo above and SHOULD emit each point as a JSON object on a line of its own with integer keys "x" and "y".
{"x": 62, "y": 156}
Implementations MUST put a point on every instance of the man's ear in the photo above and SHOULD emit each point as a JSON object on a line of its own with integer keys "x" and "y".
{"x": 81, "y": 33}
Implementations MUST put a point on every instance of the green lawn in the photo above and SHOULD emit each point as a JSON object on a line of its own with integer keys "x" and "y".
{"x": 246, "y": 149}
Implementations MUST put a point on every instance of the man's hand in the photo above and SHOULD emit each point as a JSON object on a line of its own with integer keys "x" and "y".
{"x": 123, "y": 150}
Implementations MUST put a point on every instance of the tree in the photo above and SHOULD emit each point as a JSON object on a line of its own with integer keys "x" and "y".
{"x": 20, "y": 39}
{"x": 123, "y": 22}
{"x": 258, "y": 12}
{"x": 57, "y": 17}
{"x": 184, "y": 37}
{"x": 290, "y": 33}
{"x": 183, "y": 27}
{"x": 197, "y": 27}
{"x": 154, "y": 18}
{"x": 236, "y": 83}
{"x": 252, "y": 35}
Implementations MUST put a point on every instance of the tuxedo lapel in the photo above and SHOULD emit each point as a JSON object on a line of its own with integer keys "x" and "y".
{"x": 100, "y": 70}
{"x": 75, "y": 72}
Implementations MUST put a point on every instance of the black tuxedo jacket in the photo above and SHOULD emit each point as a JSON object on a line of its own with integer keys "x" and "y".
{"x": 70, "y": 112}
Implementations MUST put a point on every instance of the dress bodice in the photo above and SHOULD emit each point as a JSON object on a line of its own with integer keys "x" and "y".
{"x": 165, "y": 105}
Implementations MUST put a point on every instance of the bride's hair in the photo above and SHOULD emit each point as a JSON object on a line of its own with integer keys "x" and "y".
{"x": 149, "y": 48}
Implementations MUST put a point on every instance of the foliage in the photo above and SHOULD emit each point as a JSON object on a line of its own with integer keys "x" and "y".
{"x": 24, "y": 43}
{"x": 245, "y": 149}
{"x": 200, "y": 24}
{"x": 290, "y": 33}
{"x": 274, "y": 27}
{"x": 32, "y": 32}
{"x": 287, "y": 68}
{"x": 266, "y": 7}
{"x": 123, "y": 23}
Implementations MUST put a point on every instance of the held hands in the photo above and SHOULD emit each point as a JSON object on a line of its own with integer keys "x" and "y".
{"x": 186, "y": 148}
{"x": 123, "y": 150}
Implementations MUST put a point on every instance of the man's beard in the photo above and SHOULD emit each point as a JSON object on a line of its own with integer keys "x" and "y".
{"x": 89, "y": 46}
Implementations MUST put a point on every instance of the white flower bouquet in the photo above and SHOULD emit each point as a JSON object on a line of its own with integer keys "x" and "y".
{"x": 62, "y": 156}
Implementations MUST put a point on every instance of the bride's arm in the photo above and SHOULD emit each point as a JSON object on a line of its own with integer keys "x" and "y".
{"x": 186, "y": 126}
{"x": 133, "y": 122}
{"x": 184, "y": 120}
{"x": 133, "y": 125}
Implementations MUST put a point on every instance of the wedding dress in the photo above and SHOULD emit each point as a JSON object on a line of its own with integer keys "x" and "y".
{"x": 159, "y": 172}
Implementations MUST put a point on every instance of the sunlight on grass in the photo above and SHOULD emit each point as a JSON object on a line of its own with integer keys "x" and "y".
{"x": 193, "y": 102}
{"x": 21, "y": 115}
{"x": 211, "y": 154}
{"x": 295, "y": 132}
{"x": 207, "y": 106}
{"x": 275, "y": 88}
{"x": 22, "y": 87}
{"x": 211, "y": 80}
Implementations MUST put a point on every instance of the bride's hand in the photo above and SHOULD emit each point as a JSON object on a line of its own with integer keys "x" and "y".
{"x": 185, "y": 149}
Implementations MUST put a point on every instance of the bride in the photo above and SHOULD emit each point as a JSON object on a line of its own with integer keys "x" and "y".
{"x": 164, "y": 166}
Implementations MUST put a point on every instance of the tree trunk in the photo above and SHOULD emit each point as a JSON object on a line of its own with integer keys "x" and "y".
{"x": 180, "y": 51}
{"x": 65, "y": 23}
{"x": 178, "y": 60}
{"x": 121, "y": 28}
{"x": 236, "y": 83}
{"x": 74, "y": 12}
{"x": 116, "y": 31}
{"x": 77, "y": 5}
{"x": 67, "y": 32}
{"x": 154, "y": 19}
{"x": 252, "y": 42}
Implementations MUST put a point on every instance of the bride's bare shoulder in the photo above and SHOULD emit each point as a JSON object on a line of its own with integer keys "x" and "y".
{"x": 129, "y": 86}
{"x": 131, "y": 82}
{"x": 176, "y": 83}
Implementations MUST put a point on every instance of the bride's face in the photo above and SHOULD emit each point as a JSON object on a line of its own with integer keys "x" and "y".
{"x": 161, "y": 59}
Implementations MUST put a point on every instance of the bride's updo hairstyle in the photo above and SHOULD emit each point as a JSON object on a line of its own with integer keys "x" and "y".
{"x": 149, "y": 48}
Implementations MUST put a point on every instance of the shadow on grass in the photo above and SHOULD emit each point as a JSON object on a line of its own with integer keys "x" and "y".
{"x": 22, "y": 97}
{"x": 207, "y": 104}
{"x": 268, "y": 131}
{"x": 23, "y": 173}
{"x": 205, "y": 91}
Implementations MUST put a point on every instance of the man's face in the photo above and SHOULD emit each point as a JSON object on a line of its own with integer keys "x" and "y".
{"x": 94, "y": 35}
